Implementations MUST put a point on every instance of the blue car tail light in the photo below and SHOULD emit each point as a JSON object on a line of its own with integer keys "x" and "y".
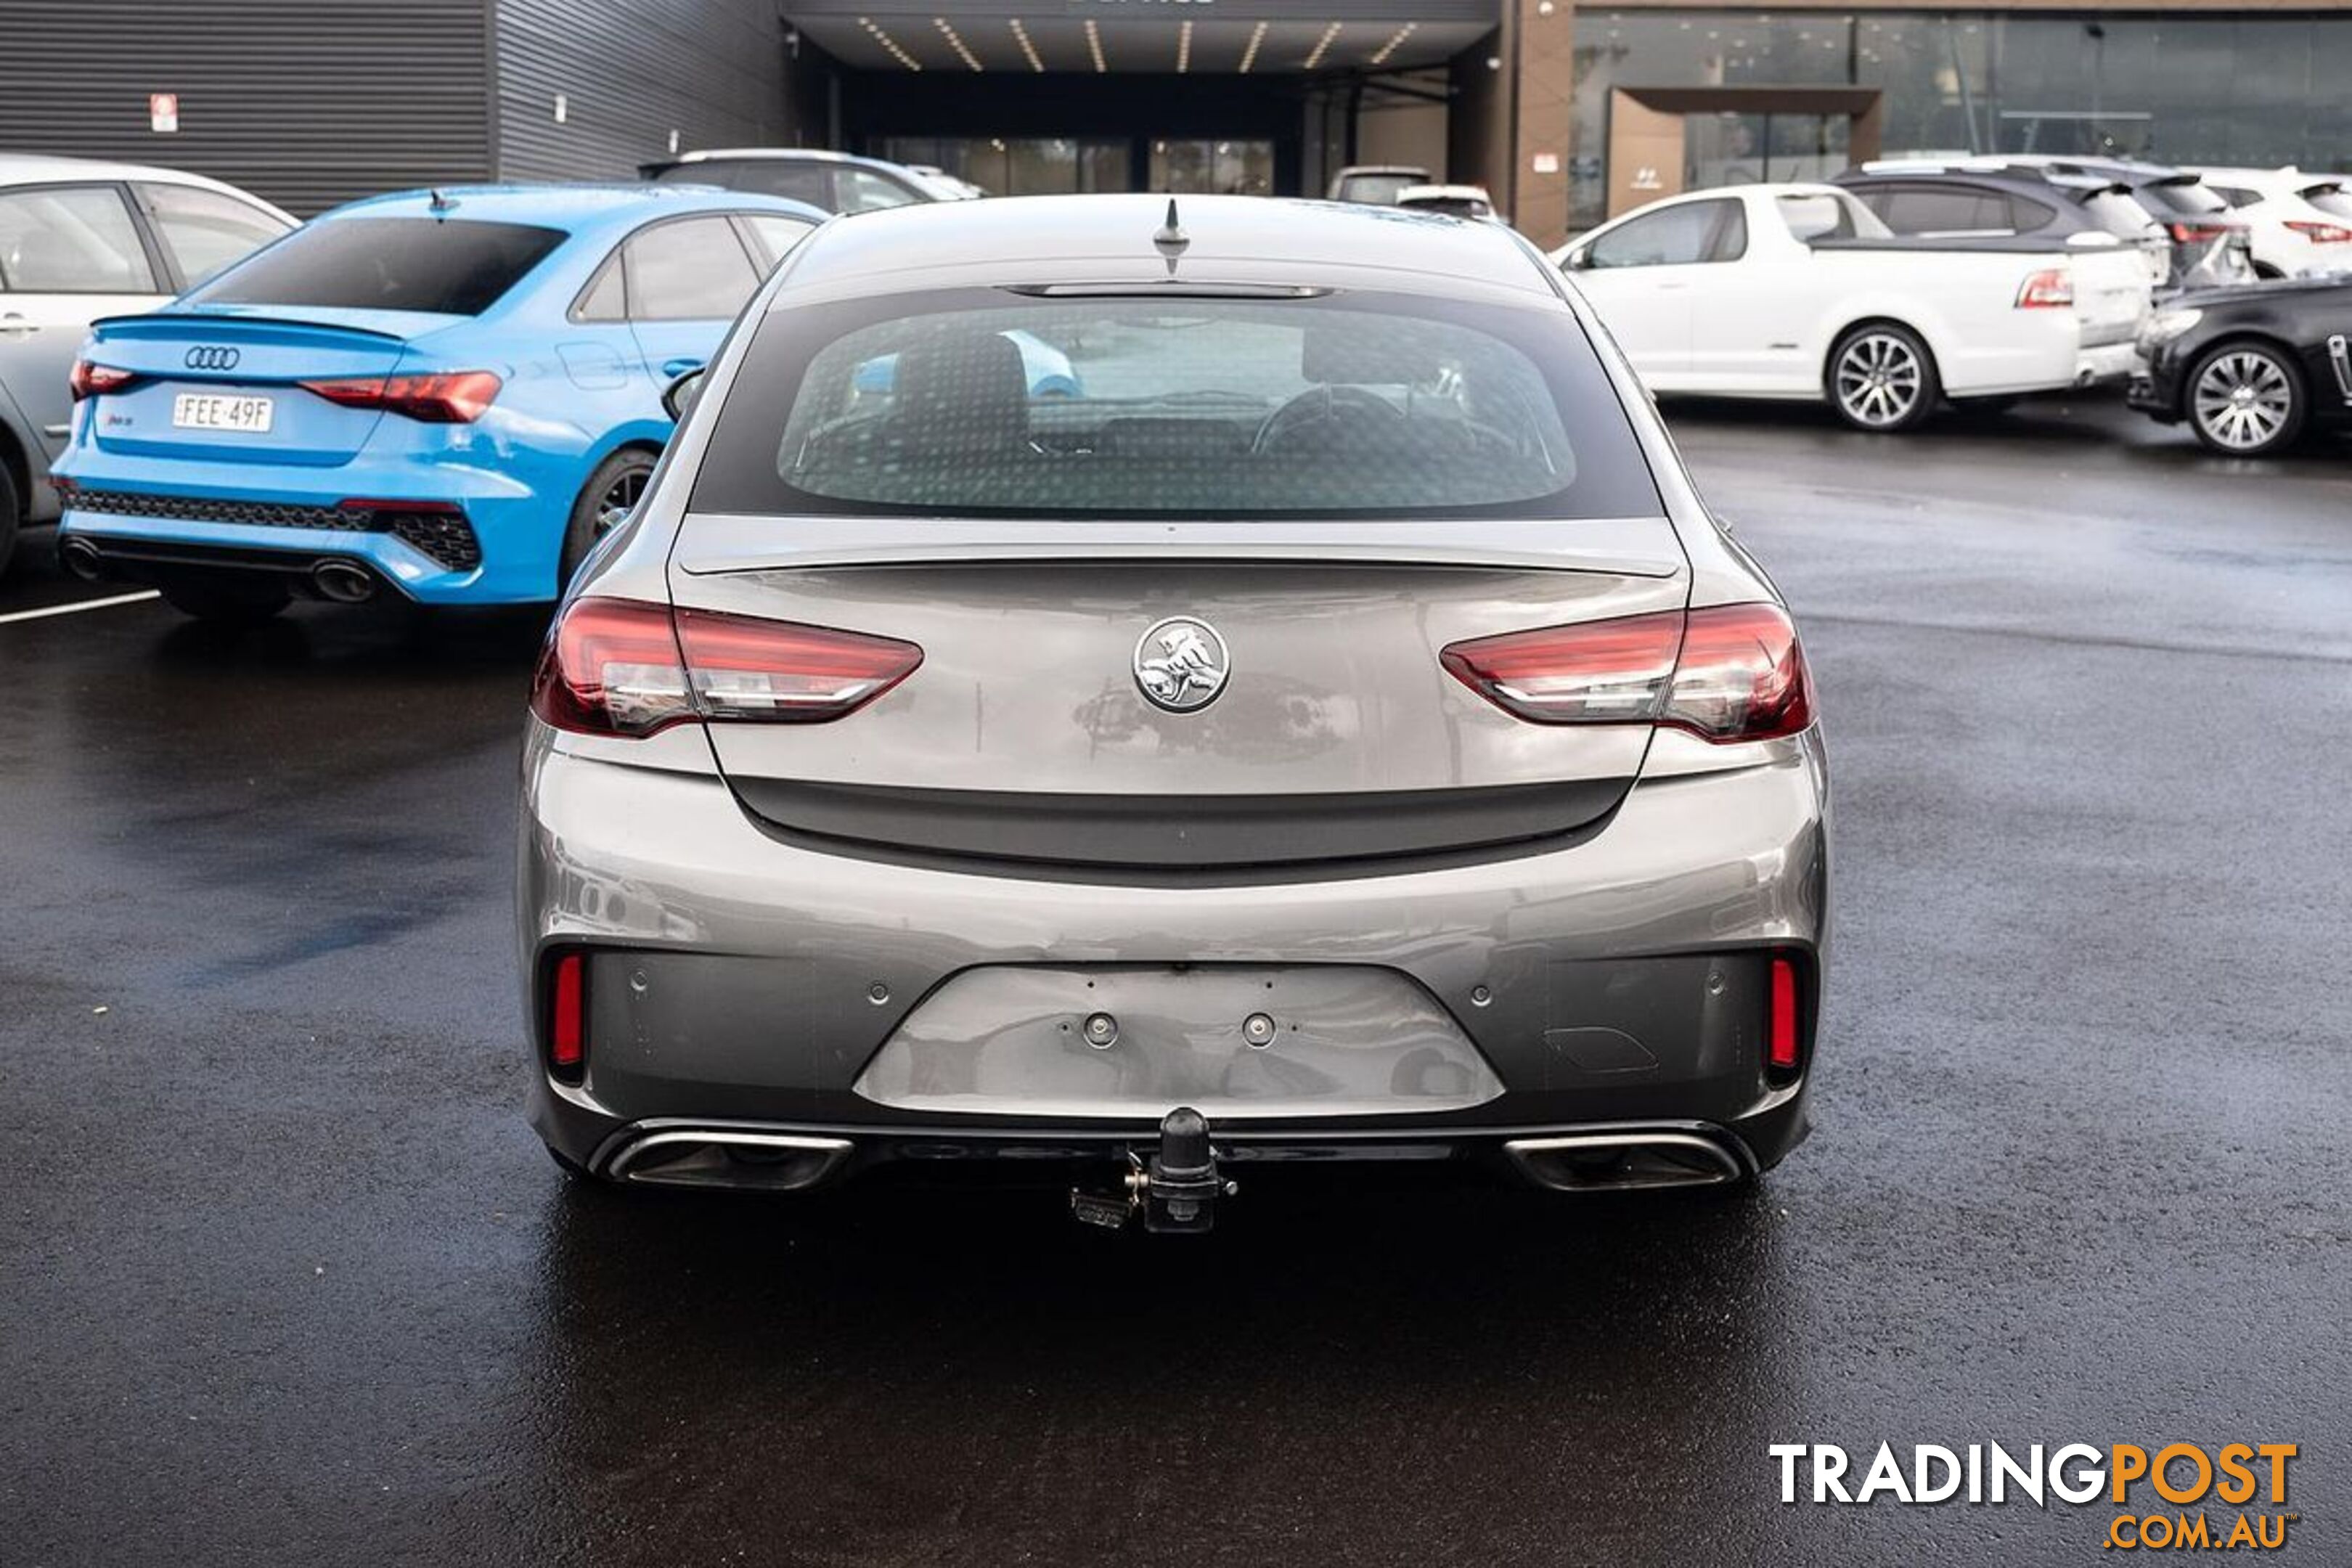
{"x": 440, "y": 397}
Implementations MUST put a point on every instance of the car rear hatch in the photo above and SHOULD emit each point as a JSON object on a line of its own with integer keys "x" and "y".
{"x": 241, "y": 385}
{"x": 1026, "y": 737}
{"x": 2111, "y": 294}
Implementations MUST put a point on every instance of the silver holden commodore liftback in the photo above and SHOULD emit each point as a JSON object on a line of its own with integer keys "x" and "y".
{"x": 1323, "y": 723}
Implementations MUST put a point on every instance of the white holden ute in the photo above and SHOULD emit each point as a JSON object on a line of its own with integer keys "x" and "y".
{"x": 1797, "y": 291}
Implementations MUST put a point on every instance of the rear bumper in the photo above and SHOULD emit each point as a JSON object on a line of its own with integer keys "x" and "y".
{"x": 517, "y": 533}
{"x": 737, "y": 979}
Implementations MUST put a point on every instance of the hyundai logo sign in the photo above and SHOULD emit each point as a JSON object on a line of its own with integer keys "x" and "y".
{"x": 210, "y": 356}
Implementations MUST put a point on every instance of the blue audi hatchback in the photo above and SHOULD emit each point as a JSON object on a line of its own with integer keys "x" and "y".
{"x": 449, "y": 395}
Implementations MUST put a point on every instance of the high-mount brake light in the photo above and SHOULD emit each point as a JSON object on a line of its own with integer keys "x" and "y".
{"x": 1725, "y": 673}
{"x": 438, "y": 397}
{"x": 624, "y": 667}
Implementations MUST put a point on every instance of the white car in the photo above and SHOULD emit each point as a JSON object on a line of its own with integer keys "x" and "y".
{"x": 2299, "y": 223}
{"x": 1453, "y": 201}
{"x": 1797, "y": 291}
{"x": 79, "y": 240}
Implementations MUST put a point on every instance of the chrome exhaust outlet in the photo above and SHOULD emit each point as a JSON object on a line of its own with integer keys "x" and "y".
{"x": 82, "y": 558}
{"x": 1625, "y": 1161}
{"x": 736, "y": 1158}
{"x": 342, "y": 583}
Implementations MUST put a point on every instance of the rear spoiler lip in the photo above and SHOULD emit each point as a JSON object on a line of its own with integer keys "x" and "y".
{"x": 717, "y": 543}
{"x": 173, "y": 318}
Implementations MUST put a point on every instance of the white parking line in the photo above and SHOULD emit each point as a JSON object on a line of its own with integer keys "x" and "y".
{"x": 77, "y": 609}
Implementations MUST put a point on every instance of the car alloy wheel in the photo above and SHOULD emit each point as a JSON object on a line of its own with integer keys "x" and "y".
{"x": 620, "y": 499}
{"x": 2244, "y": 401}
{"x": 1879, "y": 380}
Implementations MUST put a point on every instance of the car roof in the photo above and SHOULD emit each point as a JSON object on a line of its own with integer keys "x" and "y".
{"x": 1444, "y": 192}
{"x": 41, "y": 168}
{"x": 1042, "y": 241}
{"x": 2025, "y": 179}
{"x": 798, "y": 155}
{"x": 1382, "y": 169}
{"x": 576, "y": 208}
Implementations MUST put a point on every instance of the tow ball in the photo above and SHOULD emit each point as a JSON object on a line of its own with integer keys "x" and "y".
{"x": 1177, "y": 1188}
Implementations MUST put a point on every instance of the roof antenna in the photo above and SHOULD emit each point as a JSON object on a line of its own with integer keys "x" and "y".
{"x": 437, "y": 202}
{"x": 1171, "y": 239}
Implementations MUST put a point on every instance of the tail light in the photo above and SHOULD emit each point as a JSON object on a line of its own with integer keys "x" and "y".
{"x": 2052, "y": 288}
{"x": 623, "y": 667}
{"x": 1783, "y": 1034}
{"x": 441, "y": 397}
{"x": 567, "y": 1017}
{"x": 1730, "y": 672}
{"x": 2196, "y": 233}
{"x": 88, "y": 380}
{"x": 2321, "y": 233}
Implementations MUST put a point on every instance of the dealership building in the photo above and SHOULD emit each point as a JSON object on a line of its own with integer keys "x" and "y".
{"x": 1568, "y": 111}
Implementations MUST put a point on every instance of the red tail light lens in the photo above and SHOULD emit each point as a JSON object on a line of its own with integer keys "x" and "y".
{"x": 2194, "y": 233}
{"x": 88, "y": 380}
{"x": 2052, "y": 288}
{"x": 1741, "y": 676}
{"x": 567, "y": 1017}
{"x": 2321, "y": 233}
{"x": 1782, "y": 1036}
{"x": 1597, "y": 672}
{"x": 447, "y": 397}
{"x": 1731, "y": 672}
{"x": 621, "y": 667}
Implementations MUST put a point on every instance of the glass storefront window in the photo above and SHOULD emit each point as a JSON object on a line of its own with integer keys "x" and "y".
{"x": 2248, "y": 89}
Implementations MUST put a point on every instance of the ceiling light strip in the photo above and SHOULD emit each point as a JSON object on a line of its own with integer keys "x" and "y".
{"x": 889, "y": 43}
{"x": 1322, "y": 46}
{"x": 1094, "y": 45}
{"x": 1184, "y": 47}
{"x": 1380, "y": 56}
{"x": 956, "y": 43}
{"x": 1028, "y": 50}
{"x": 1249, "y": 51}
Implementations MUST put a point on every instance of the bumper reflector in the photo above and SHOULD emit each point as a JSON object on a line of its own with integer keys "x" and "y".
{"x": 1780, "y": 1041}
{"x": 567, "y": 1028}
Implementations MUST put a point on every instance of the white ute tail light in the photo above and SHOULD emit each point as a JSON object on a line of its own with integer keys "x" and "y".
{"x": 1731, "y": 672}
{"x": 624, "y": 667}
{"x": 2052, "y": 289}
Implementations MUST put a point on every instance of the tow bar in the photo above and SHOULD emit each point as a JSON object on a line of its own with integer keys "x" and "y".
{"x": 1177, "y": 1188}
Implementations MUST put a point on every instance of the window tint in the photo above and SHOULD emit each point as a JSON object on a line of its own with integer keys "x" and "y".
{"x": 862, "y": 190}
{"x": 811, "y": 182}
{"x": 2192, "y": 198}
{"x": 2236, "y": 195}
{"x": 776, "y": 234}
{"x": 1943, "y": 209}
{"x": 1377, "y": 190}
{"x": 457, "y": 267}
{"x": 964, "y": 404}
{"x": 2026, "y": 215}
{"x": 690, "y": 271}
{"x": 71, "y": 239}
{"x": 1672, "y": 237}
{"x": 607, "y": 298}
{"x": 2331, "y": 199}
{"x": 1830, "y": 214}
{"x": 204, "y": 231}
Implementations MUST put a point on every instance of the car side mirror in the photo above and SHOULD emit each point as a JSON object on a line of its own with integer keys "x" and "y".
{"x": 679, "y": 395}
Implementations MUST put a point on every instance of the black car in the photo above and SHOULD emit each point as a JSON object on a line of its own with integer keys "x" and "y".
{"x": 1960, "y": 200}
{"x": 837, "y": 181}
{"x": 2250, "y": 368}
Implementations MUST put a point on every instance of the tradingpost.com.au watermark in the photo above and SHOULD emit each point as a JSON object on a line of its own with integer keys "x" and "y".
{"x": 2180, "y": 1495}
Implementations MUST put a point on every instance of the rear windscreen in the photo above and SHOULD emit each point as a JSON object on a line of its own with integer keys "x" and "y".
{"x": 2185, "y": 197}
{"x": 457, "y": 267}
{"x": 988, "y": 403}
{"x": 2333, "y": 200}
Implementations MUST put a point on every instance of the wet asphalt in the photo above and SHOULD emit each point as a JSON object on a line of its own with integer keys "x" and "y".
{"x": 285, "y": 1278}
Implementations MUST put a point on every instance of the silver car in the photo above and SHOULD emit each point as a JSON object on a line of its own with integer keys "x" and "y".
{"x": 1324, "y": 726}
